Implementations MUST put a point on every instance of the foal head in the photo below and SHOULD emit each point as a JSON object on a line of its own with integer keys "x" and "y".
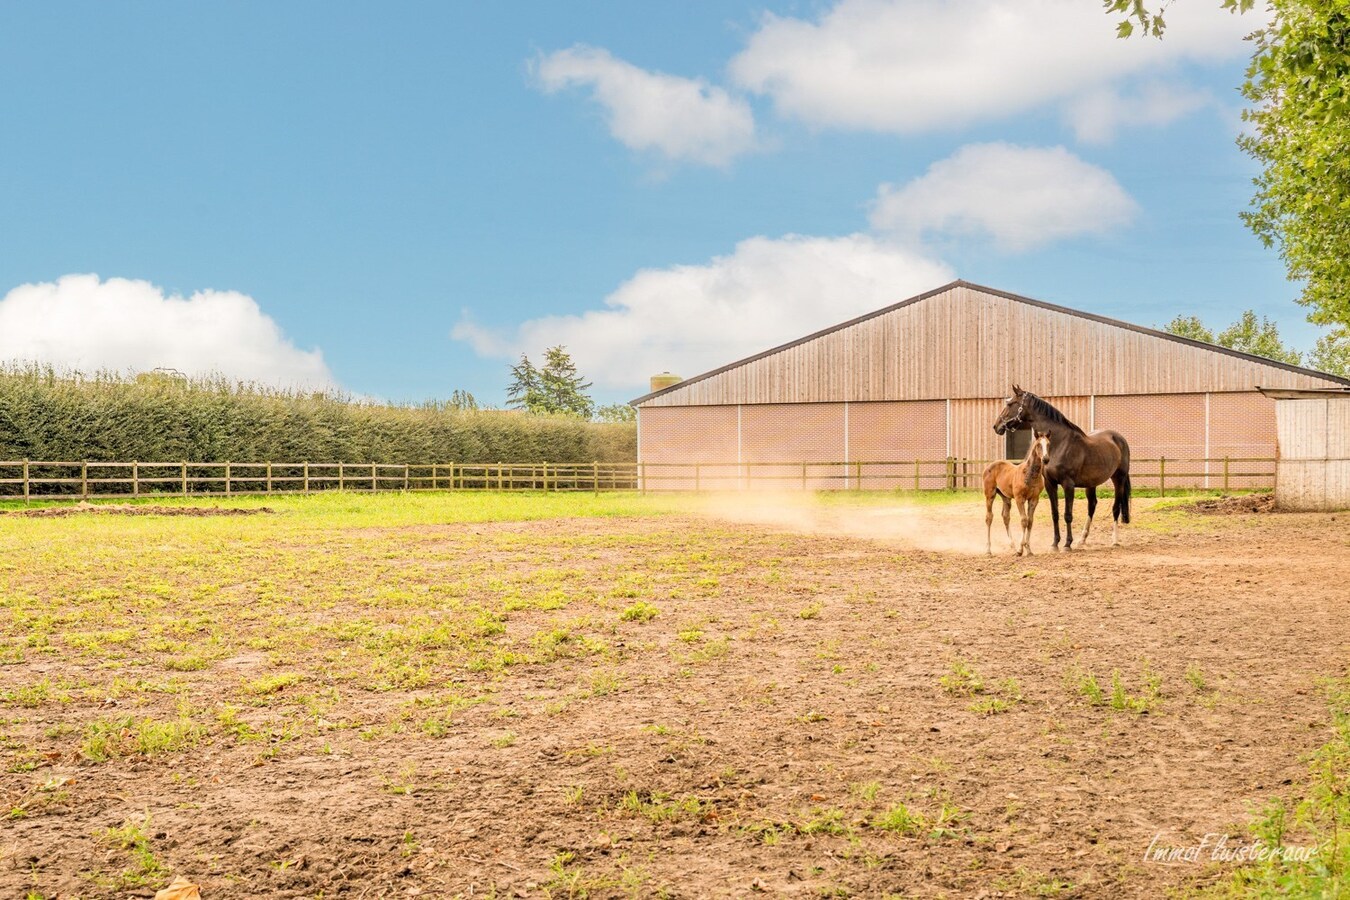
{"x": 1039, "y": 453}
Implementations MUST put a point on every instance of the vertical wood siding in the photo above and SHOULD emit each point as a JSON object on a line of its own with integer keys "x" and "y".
{"x": 965, "y": 343}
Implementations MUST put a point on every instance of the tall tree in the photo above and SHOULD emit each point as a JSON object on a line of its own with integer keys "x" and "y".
{"x": 563, "y": 387}
{"x": 526, "y": 388}
{"x": 556, "y": 389}
{"x": 1298, "y": 83}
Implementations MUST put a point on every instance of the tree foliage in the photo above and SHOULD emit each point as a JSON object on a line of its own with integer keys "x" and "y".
{"x": 1298, "y": 84}
{"x": 555, "y": 389}
{"x": 1190, "y": 327}
{"x": 1332, "y": 353}
{"x": 616, "y": 412}
{"x": 1248, "y": 335}
{"x": 1150, "y": 19}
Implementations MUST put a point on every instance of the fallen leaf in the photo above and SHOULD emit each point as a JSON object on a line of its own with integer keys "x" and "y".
{"x": 180, "y": 889}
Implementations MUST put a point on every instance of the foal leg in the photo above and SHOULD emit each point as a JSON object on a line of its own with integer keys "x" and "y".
{"x": 1031, "y": 515}
{"x": 989, "y": 522}
{"x": 1068, "y": 515}
{"x": 1007, "y": 515}
{"x": 1052, "y": 489}
{"x": 1092, "y": 511}
{"x": 1022, "y": 514}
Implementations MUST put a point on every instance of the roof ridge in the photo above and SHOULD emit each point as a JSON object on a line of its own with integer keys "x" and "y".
{"x": 1007, "y": 295}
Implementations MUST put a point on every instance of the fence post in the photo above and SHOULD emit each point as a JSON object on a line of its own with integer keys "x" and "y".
{"x": 25, "y": 481}
{"x": 698, "y": 477}
{"x": 857, "y": 475}
{"x": 135, "y": 479}
{"x": 374, "y": 485}
{"x": 951, "y": 473}
{"x": 916, "y": 474}
{"x": 1225, "y": 473}
{"x": 405, "y": 477}
{"x": 1162, "y": 476}
{"x": 185, "y": 490}
{"x": 84, "y": 480}
{"x": 501, "y": 476}
{"x": 642, "y": 478}
{"x": 803, "y": 476}
{"x": 595, "y": 474}
{"x": 342, "y": 476}
{"x": 269, "y": 478}
{"x": 227, "y": 479}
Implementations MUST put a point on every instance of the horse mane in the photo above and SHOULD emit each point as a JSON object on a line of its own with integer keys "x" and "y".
{"x": 1049, "y": 413}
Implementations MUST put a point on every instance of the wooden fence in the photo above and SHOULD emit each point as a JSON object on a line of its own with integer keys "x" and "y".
{"x": 29, "y": 479}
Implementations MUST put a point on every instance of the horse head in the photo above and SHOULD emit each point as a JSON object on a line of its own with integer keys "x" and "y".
{"x": 1013, "y": 413}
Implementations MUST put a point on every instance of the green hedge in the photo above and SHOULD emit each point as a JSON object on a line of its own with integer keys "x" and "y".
{"x": 46, "y": 415}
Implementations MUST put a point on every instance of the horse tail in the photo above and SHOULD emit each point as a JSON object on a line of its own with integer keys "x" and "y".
{"x": 1121, "y": 506}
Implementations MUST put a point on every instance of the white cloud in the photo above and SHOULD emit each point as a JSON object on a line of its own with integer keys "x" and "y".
{"x": 681, "y": 118}
{"x": 692, "y": 318}
{"x": 1096, "y": 116}
{"x": 1022, "y": 197}
{"x": 82, "y": 323}
{"x": 909, "y": 66}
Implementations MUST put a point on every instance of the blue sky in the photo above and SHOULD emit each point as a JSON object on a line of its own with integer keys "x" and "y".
{"x": 398, "y": 198}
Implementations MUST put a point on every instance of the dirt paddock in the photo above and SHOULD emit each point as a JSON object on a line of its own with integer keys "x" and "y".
{"x": 756, "y": 697}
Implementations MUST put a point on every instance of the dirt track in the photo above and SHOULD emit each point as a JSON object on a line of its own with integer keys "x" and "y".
{"x": 752, "y": 736}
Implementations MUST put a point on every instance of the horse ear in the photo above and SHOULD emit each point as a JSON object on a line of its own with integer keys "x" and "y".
{"x": 1017, "y": 391}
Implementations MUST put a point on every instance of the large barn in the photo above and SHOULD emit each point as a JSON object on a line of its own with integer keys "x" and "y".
{"x": 916, "y": 386}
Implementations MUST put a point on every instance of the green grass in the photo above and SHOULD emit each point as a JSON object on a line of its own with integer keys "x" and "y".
{"x": 1316, "y": 818}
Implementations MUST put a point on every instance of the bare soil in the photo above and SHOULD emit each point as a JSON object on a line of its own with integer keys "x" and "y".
{"x": 809, "y": 705}
{"x": 131, "y": 509}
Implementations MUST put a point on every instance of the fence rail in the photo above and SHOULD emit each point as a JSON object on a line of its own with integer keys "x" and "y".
{"x": 29, "y": 479}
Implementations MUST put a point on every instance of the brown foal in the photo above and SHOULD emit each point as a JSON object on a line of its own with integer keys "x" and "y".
{"x": 1022, "y": 483}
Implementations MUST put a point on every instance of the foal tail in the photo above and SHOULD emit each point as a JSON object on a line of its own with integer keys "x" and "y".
{"x": 1120, "y": 508}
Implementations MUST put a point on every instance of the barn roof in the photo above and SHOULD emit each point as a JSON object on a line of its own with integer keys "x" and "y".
{"x": 1017, "y": 298}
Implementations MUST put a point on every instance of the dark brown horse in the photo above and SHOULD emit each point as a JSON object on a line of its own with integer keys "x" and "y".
{"x": 1076, "y": 460}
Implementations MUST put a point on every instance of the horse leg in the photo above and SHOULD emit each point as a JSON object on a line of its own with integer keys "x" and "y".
{"x": 988, "y": 522}
{"x": 1052, "y": 490}
{"x": 1068, "y": 515}
{"x": 1117, "y": 482}
{"x": 1092, "y": 511}
{"x": 1007, "y": 527}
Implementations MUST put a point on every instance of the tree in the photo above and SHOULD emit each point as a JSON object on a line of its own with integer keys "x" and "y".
{"x": 1151, "y": 20}
{"x": 1190, "y": 327}
{"x": 1261, "y": 339}
{"x": 525, "y": 391}
{"x": 563, "y": 386}
{"x": 1298, "y": 83}
{"x": 1332, "y": 353}
{"x": 616, "y": 412}
{"x": 1246, "y": 334}
{"x": 557, "y": 388}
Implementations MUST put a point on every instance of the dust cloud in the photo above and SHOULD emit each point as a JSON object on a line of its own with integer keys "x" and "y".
{"x": 953, "y": 527}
